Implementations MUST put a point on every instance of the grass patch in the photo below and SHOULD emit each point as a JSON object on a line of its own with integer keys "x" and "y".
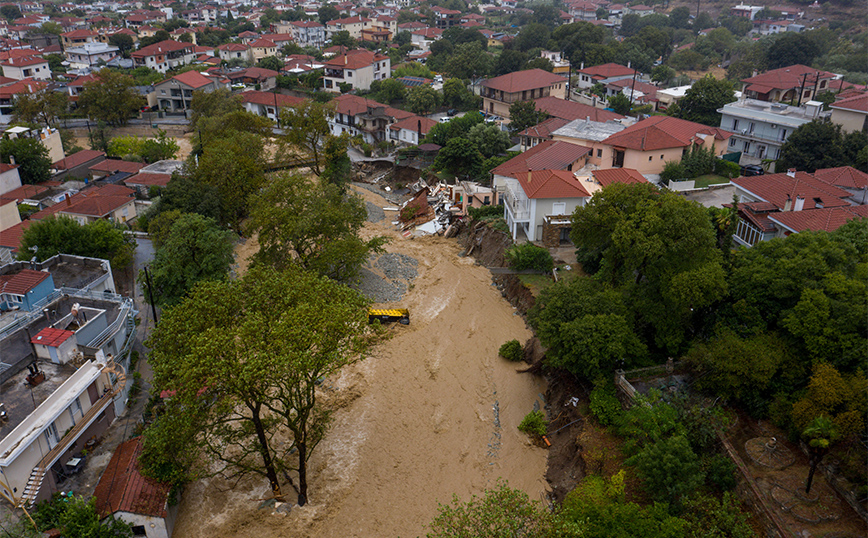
{"x": 537, "y": 283}
{"x": 709, "y": 179}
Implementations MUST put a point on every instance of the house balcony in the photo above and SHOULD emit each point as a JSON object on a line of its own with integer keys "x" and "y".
{"x": 517, "y": 204}
{"x": 334, "y": 73}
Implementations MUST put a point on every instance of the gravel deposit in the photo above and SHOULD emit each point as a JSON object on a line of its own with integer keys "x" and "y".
{"x": 375, "y": 212}
{"x": 385, "y": 279}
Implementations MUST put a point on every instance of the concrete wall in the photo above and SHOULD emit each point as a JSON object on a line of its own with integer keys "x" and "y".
{"x": 10, "y": 180}
{"x": 849, "y": 121}
{"x": 539, "y": 208}
{"x": 155, "y": 527}
{"x": 9, "y": 215}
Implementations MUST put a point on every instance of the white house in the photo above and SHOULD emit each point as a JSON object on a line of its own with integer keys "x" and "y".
{"x": 534, "y": 199}
{"x": 358, "y": 68}
{"x": 23, "y": 67}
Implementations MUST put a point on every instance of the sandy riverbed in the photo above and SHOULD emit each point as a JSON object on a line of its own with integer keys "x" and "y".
{"x": 431, "y": 413}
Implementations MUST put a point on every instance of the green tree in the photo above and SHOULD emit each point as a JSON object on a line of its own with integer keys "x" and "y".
{"x": 422, "y": 99}
{"x": 10, "y": 12}
{"x": 703, "y": 99}
{"x": 111, "y": 98}
{"x": 244, "y": 358}
{"x": 327, "y": 13}
{"x": 41, "y": 107}
{"x": 63, "y": 235}
{"x": 441, "y": 133}
{"x": 668, "y": 469}
{"x": 388, "y": 91}
{"x": 509, "y": 61}
{"x": 587, "y": 328}
{"x": 194, "y": 250}
{"x": 343, "y": 38}
{"x": 186, "y": 195}
{"x": 213, "y": 104}
{"x": 271, "y": 62}
{"x": 620, "y": 104}
{"x": 467, "y": 61}
{"x": 501, "y": 511}
{"x": 30, "y": 155}
{"x": 488, "y": 139}
{"x": 235, "y": 168}
{"x": 813, "y": 146}
{"x": 839, "y": 397}
{"x": 460, "y": 158}
{"x": 456, "y": 94}
{"x": 524, "y": 114}
{"x": 160, "y": 226}
{"x": 338, "y": 168}
{"x": 310, "y": 224}
{"x": 680, "y": 17}
{"x": 792, "y": 49}
{"x": 123, "y": 42}
{"x": 820, "y": 434}
{"x": 74, "y": 516}
{"x": 306, "y": 126}
{"x": 707, "y": 516}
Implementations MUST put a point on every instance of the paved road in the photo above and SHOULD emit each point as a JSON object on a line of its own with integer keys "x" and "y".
{"x": 74, "y": 123}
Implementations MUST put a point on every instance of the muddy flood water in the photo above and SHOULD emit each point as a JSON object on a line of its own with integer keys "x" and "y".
{"x": 432, "y": 413}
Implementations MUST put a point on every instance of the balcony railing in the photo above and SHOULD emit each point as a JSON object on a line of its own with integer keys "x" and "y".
{"x": 517, "y": 204}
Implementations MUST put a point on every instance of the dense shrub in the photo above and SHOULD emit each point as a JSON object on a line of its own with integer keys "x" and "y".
{"x": 511, "y": 351}
{"x": 534, "y": 423}
{"x": 726, "y": 168}
{"x": 605, "y": 405}
{"x": 480, "y": 213}
{"x": 720, "y": 472}
{"x": 529, "y": 256}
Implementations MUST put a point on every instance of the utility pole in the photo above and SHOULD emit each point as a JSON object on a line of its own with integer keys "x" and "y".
{"x": 151, "y": 294}
{"x": 802, "y": 89}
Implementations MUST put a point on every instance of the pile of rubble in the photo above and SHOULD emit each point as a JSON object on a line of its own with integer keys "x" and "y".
{"x": 430, "y": 211}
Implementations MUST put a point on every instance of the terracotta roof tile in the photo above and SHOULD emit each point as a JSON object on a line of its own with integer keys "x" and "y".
{"x": 149, "y": 179}
{"x": 618, "y": 175}
{"x": 548, "y": 155}
{"x": 11, "y": 237}
{"x": 843, "y": 176}
{"x": 269, "y": 99}
{"x": 21, "y": 282}
{"x": 519, "y": 81}
{"x": 775, "y": 188}
{"x": 826, "y": 219}
{"x": 122, "y": 488}
{"x": 858, "y": 103}
{"x": 785, "y": 78}
{"x": 662, "y": 132}
{"x": 609, "y": 70}
{"x": 413, "y": 123}
{"x": 51, "y": 337}
{"x": 116, "y": 165}
{"x": 77, "y": 159}
{"x": 571, "y": 110}
{"x": 550, "y": 184}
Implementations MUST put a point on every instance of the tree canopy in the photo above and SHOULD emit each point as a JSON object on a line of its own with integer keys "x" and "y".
{"x": 243, "y": 358}
{"x": 63, "y": 235}
{"x": 702, "y": 101}
{"x": 30, "y": 155}
{"x": 306, "y": 126}
{"x": 111, "y": 98}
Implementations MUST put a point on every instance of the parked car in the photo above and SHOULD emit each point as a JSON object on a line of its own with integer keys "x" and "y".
{"x": 451, "y": 112}
{"x": 752, "y": 170}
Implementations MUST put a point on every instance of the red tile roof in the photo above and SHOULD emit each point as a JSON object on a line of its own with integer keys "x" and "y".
{"x": 858, "y": 103}
{"x": 263, "y": 44}
{"x": 232, "y": 47}
{"x": 149, "y": 179}
{"x": 77, "y": 159}
{"x": 571, "y": 110}
{"x": 618, "y": 175}
{"x": 24, "y": 61}
{"x": 785, "y": 78}
{"x": 21, "y": 282}
{"x": 122, "y": 488}
{"x": 51, "y": 337}
{"x": 662, "y": 132}
{"x": 79, "y": 33}
{"x": 550, "y": 184}
{"x": 192, "y": 79}
{"x": 4, "y": 167}
{"x": 23, "y": 192}
{"x": 162, "y": 47}
{"x": 354, "y": 59}
{"x": 827, "y": 219}
{"x": 116, "y": 165}
{"x": 269, "y": 99}
{"x": 775, "y": 188}
{"x": 353, "y": 105}
{"x": 520, "y": 81}
{"x": 548, "y": 155}
{"x": 609, "y": 70}
{"x": 412, "y": 123}
{"x": 843, "y": 176}
{"x": 544, "y": 129}
{"x": 11, "y": 237}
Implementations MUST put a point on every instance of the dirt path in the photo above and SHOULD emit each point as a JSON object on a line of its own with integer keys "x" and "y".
{"x": 432, "y": 413}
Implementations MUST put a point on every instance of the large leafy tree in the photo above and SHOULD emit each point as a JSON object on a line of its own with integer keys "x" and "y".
{"x": 460, "y": 158}
{"x": 63, "y": 235}
{"x": 820, "y": 434}
{"x": 111, "y": 98}
{"x": 311, "y": 224}
{"x": 456, "y": 94}
{"x": 338, "y": 167}
{"x": 669, "y": 469}
{"x": 659, "y": 249}
{"x": 488, "y": 139}
{"x": 792, "y": 49}
{"x": 306, "y": 126}
{"x": 442, "y": 133}
{"x": 703, "y": 99}
{"x": 44, "y": 106}
{"x": 422, "y": 99}
{"x": 123, "y": 42}
{"x": 820, "y": 144}
{"x": 243, "y": 359}
{"x": 587, "y": 328}
{"x": 524, "y": 114}
{"x": 468, "y": 60}
{"x": 195, "y": 249}
{"x": 30, "y": 155}
{"x": 212, "y": 105}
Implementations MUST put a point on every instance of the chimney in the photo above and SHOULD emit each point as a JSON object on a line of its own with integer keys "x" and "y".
{"x": 789, "y": 204}
{"x": 791, "y": 172}
{"x": 587, "y": 120}
{"x": 68, "y": 202}
{"x": 755, "y": 73}
{"x": 12, "y": 160}
{"x": 581, "y": 66}
{"x": 800, "y": 203}
{"x": 346, "y": 59}
{"x": 529, "y": 176}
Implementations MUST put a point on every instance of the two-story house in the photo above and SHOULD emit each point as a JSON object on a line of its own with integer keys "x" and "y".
{"x": 358, "y": 116}
{"x": 353, "y": 25}
{"x": 649, "y": 144}
{"x": 262, "y": 48}
{"x": 423, "y": 37}
{"x": 499, "y": 93}
{"x": 358, "y": 68}
{"x": 308, "y": 33}
{"x": 445, "y": 18}
{"x": 603, "y": 74}
{"x": 531, "y": 198}
{"x": 234, "y": 51}
{"x": 164, "y": 55}
{"x": 760, "y": 128}
{"x": 797, "y": 83}
{"x": 267, "y": 104}
{"x": 26, "y": 67}
{"x": 175, "y": 94}
{"x": 90, "y": 55}
{"x": 410, "y": 131}
{"x": 851, "y": 113}
{"x": 78, "y": 37}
